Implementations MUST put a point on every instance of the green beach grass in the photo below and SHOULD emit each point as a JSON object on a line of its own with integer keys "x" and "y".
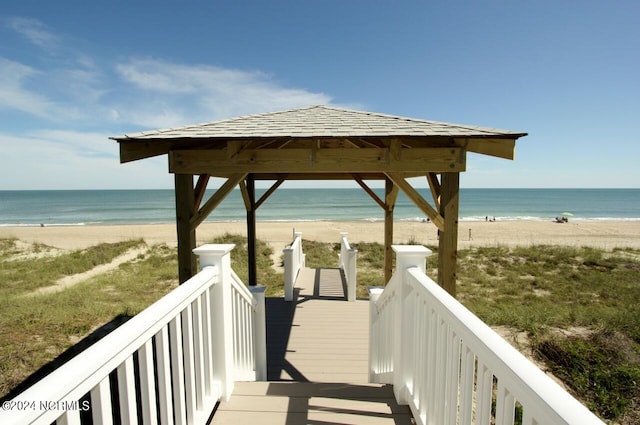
{"x": 579, "y": 308}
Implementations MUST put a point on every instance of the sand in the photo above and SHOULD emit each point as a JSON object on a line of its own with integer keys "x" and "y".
{"x": 607, "y": 235}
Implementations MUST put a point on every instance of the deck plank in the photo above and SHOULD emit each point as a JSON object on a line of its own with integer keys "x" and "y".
{"x": 320, "y": 337}
{"x": 317, "y": 357}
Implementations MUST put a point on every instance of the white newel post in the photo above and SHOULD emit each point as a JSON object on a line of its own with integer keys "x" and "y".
{"x": 288, "y": 274}
{"x": 374, "y": 332}
{"x": 260, "y": 329}
{"x": 349, "y": 266}
{"x": 407, "y": 256}
{"x": 293, "y": 261}
{"x": 218, "y": 255}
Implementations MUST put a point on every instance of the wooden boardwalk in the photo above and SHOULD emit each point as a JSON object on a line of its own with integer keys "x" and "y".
{"x": 317, "y": 363}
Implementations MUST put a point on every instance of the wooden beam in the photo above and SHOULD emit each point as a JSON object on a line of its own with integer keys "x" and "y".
{"x": 367, "y": 189}
{"x": 327, "y": 176}
{"x": 268, "y": 193}
{"x": 316, "y": 160}
{"x": 448, "y": 240}
{"x": 250, "y": 188}
{"x": 245, "y": 195}
{"x": 434, "y": 185}
{"x": 133, "y": 151}
{"x": 390, "y": 196}
{"x": 417, "y": 199}
{"x": 501, "y": 148}
{"x": 186, "y": 233}
{"x": 201, "y": 187}
{"x": 216, "y": 199}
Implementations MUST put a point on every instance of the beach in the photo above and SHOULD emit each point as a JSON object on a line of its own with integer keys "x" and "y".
{"x": 606, "y": 235}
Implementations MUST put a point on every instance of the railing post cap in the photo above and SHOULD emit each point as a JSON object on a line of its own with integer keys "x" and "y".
{"x": 214, "y": 249}
{"x": 257, "y": 289}
{"x": 375, "y": 290}
{"x": 411, "y": 250}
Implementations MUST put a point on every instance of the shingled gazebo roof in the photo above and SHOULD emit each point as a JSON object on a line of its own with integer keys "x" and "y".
{"x": 321, "y": 121}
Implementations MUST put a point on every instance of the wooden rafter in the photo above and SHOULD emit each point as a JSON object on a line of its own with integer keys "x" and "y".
{"x": 501, "y": 148}
{"x": 434, "y": 185}
{"x": 216, "y": 199}
{"x": 417, "y": 199}
{"x": 201, "y": 187}
{"x": 269, "y": 191}
{"x": 245, "y": 195}
{"x": 367, "y": 189}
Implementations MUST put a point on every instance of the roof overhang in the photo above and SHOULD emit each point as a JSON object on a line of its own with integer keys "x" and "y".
{"x": 319, "y": 142}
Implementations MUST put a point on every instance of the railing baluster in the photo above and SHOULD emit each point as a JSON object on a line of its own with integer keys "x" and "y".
{"x": 245, "y": 337}
{"x": 505, "y": 406}
{"x": 208, "y": 342}
{"x": 527, "y": 418}
{"x": 431, "y": 364}
{"x": 127, "y": 393}
{"x": 484, "y": 395}
{"x": 70, "y": 417}
{"x": 164, "y": 376}
{"x": 466, "y": 385}
{"x": 421, "y": 375}
{"x": 452, "y": 382}
{"x": 416, "y": 346}
{"x": 177, "y": 370}
{"x": 243, "y": 334}
{"x": 189, "y": 367}
{"x": 441, "y": 356}
{"x": 147, "y": 384}
{"x": 198, "y": 350}
{"x": 101, "y": 403}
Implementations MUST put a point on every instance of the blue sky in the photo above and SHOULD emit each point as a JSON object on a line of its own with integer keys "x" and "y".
{"x": 73, "y": 73}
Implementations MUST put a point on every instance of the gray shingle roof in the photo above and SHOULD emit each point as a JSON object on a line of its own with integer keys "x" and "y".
{"x": 320, "y": 121}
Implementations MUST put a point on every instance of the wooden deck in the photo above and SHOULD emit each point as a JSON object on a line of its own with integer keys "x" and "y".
{"x": 317, "y": 357}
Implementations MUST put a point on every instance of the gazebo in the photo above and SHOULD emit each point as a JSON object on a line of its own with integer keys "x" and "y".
{"x": 319, "y": 143}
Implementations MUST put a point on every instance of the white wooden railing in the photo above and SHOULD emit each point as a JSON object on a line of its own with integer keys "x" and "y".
{"x": 448, "y": 365}
{"x": 347, "y": 262}
{"x": 294, "y": 260}
{"x": 169, "y": 364}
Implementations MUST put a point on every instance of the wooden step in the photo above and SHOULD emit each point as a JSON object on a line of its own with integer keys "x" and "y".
{"x": 297, "y": 403}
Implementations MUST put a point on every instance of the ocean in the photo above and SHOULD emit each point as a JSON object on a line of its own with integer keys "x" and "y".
{"x": 108, "y": 207}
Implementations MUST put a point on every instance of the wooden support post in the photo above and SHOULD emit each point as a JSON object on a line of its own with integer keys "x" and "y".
{"x": 251, "y": 228}
{"x": 390, "y": 195}
{"x": 185, "y": 203}
{"x": 448, "y": 244}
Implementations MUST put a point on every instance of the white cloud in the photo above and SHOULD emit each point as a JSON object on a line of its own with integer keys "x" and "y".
{"x": 73, "y": 160}
{"x": 82, "y": 143}
{"x": 171, "y": 94}
{"x": 12, "y": 93}
{"x": 15, "y": 95}
{"x": 34, "y": 31}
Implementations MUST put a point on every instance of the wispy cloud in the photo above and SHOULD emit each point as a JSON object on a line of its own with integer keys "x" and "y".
{"x": 176, "y": 94}
{"x": 34, "y": 31}
{"x": 73, "y": 160}
{"x": 13, "y": 95}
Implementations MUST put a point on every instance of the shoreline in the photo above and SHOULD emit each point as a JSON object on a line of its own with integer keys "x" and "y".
{"x": 598, "y": 234}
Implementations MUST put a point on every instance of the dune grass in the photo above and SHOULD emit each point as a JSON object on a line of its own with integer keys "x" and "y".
{"x": 580, "y": 307}
{"x": 36, "y": 329}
